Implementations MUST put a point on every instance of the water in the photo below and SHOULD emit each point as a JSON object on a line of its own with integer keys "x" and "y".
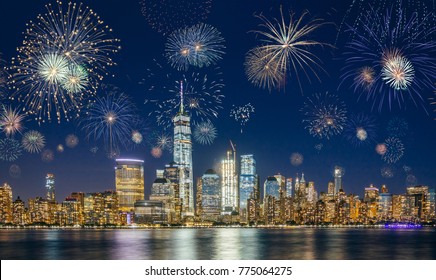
{"x": 219, "y": 243}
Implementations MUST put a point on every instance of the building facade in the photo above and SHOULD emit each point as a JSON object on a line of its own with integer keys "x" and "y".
{"x": 129, "y": 182}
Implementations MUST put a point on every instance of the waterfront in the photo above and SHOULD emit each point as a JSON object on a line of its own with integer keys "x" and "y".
{"x": 219, "y": 243}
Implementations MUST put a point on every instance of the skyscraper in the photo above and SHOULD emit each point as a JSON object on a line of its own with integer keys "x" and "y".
{"x": 229, "y": 183}
{"x": 6, "y": 209}
{"x": 50, "y": 186}
{"x": 247, "y": 182}
{"x": 338, "y": 173}
{"x": 129, "y": 182}
{"x": 210, "y": 189}
{"x": 183, "y": 157}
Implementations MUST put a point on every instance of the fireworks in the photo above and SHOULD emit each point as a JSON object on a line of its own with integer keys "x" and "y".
{"x": 15, "y": 171}
{"x": 360, "y": 129}
{"x": 165, "y": 16}
{"x": 296, "y": 159}
{"x": 319, "y": 147}
{"x": 397, "y": 70}
{"x": 47, "y": 155}
{"x": 66, "y": 51}
{"x": 242, "y": 114}
{"x": 381, "y": 149}
{"x": 60, "y": 148}
{"x": 387, "y": 172}
{"x": 199, "y": 45}
{"x": 394, "y": 150}
{"x": 3, "y": 77}
{"x": 33, "y": 141}
{"x": 71, "y": 141}
{"x": 10, "y": 149}
{"x": 10, "y": 121}
{"x": 397, "y": 127}
{"x": 137, "y": 137}
{"x": 262, "y": 71}
{"x": 411, "y": 180}
{"x": 156, "y": 152}
{"x": 93, "y": 150}
{"x": 202, "y": 96}
{"x": 324, "y": 115}
{"x": 161, "y": 140}
{"x": 286, "y": 45}
{"x": 205, "y": 133}
{"x": 395, "y": 55}
{"x": 110, "y": 119}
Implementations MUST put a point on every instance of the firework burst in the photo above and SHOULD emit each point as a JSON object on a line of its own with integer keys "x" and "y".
{"x": 3, "y": 78}
{"x": 60, "y": 148}
{"x": 324, "y": 115}
{"x": 33, "y": 141}
{"x": 360, "y": 129}
{"x": 262, "y": 71}
{"x": 165, "y": 16}
{"x": 205, "y": 133}
{"x": 47, "y": 155}
{"x": 286, "y": 45}
{"x": 387, "y": 172}
{"x": 11, "y": 121}
{"x": 395, "y": 55}
{"x": 156, "y": 152}
{"x": 64, "y": 55}
{"x": 10, "y": 149}
{"x": 202, "y": 95}
{"x": 137, "y": 137}
{"x": 394, "y": 150}
{"x": 397, "y": 127}
{"x": 15, "y": 171}
{"x": 71, "y": 141}
{"x": 199, "y": 45}
{"x": 296, "y": 159}
{"x": 242, "y": 114}
{"x": 110, "y": 119}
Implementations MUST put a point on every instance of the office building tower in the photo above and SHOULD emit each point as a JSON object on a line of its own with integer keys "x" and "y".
{"x": 229, "y": 183}
{"x": 271, "y": 187}
{"x": 129, "y": 182}
{"x": 209, "y": 190}
{"x": 289, "y": 187}
{"x": 338, "y": 174}
{"x": 50, "y": 186}
{"x": 247, "y": 183}
{"x": 6, "y": 209}
{"x": 19, "y": 212}
{"x": 420, "y": 197}
{"x": 183, "y": 158}
{"x": 171, "y": 172}
{"x": 331, "y": 189}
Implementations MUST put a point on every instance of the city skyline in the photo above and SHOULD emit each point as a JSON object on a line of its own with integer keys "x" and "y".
{"x": 274, "y": 133}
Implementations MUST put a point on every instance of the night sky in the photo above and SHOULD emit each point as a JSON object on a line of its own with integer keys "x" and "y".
{"x": 274, "y": 132}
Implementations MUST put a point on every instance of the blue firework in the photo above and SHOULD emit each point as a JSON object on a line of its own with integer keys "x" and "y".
{"x": 360, "y": 129}
{"x": 391, "y": 57}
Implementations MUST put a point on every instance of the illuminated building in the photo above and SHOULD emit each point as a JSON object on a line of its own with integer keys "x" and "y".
{"x": 229, "y": 183}
{"x": 331, "y": 189}
{"x": 101, "y": 209}
{"x": 6, "y": 209}
{"x": 129, "y": 182}
{"x": 432, "y": 200}
{"x": 183, "y": 157}
{"x": 289, "y": 187}
{"x": 421, "y": 202}
{"x": 312, "y": 194}
{"x": 171, "y": 172}
{"x": 247, "y": 183}
{"x": 210, "y": 199}
{"x": 384, "y": 207}
{"x": 19, "y": 212}
{"x": 371, "y": 194}
{"x": 161, "y": 191}
{"x": 50, "y": 186}
{"x": 338, "y": 173}
{"x": 72, "y": 209}
{"x": 39, "y": 211}
{"x": 149, "y": 212}
{"x": 271, "y": 187}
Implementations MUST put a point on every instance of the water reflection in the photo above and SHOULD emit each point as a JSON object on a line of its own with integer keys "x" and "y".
{"x": 219, "y": 243}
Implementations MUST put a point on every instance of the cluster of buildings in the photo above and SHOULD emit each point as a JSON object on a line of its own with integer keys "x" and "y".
{"x": 230, "y": 195}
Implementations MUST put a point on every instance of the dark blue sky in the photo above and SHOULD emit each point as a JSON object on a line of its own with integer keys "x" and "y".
{"x": 273, "y": 133}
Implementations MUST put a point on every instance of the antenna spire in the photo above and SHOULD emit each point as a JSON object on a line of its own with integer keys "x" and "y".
{"x": 181, "y": 97}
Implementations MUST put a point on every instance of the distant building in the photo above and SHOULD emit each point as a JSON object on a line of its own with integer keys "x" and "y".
{"x": 6, "y": 209}
{"x": 19, "y": 212}
{"x": 149, "y": 212}
{"x": 129, "y": 182}
{"x": 338, "y": 174}
{"x": 209, "y": 190}
{"x": 50, "y": 186}
{"x": 247, "y": 183}
{"x": 229, "y": 183}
